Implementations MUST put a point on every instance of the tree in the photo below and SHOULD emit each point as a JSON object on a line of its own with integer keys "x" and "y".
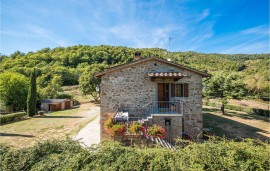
{"x": 54, "y": 88}
{"x": 32, "y": 95}
{"x": 13, "y": 91}
{"x": 234, "y": 86}
{"x": 226, "y": 86}
{"x": 89, "y": 84}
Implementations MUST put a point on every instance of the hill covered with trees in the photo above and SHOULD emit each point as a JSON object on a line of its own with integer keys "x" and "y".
{"x": 236, "y": 75}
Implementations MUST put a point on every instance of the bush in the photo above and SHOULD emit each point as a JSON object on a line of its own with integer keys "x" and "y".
{"x": 12, "y": 117}
{"x": 262, "y": 112}
{"x": 69, "y": 155}
{"x": 64, "y": 96}
{"x": 41, "y": 112}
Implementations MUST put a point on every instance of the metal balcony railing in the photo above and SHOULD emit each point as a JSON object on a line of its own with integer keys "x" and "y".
{"x": 163, "y": 107}
{"x": 156, "y": 107}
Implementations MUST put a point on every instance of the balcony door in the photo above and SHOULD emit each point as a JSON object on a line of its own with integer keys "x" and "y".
{"x": 163, "y": 92}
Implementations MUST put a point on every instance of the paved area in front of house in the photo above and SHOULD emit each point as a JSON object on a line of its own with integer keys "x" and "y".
{"x": 90, "y": 134}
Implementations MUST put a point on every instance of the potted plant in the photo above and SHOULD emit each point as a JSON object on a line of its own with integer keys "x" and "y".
{"x": 118, "y": 130}
{"x": 156, "y": 131}
{"x": 135, "y": 128}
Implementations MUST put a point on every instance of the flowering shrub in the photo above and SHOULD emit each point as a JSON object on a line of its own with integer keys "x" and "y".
{"x": 135, "y": 128}
{"x": 108, "y": 124}
{"x": 113, "y": 128}
{"x": 156, "y": 131}
{"x": 118, "y": 129}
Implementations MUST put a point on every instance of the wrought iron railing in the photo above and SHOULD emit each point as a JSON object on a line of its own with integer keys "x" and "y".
{"x": 162, "y": 107}
{"x": 156, "y": 107}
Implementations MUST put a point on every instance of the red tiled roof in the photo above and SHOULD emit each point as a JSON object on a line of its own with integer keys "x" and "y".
{"x": 166, "y": 74}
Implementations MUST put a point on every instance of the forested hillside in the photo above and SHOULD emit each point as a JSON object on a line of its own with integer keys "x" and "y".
{"x": 236, "y": 76}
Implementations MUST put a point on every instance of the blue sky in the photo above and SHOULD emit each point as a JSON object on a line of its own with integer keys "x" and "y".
{"x": 209, "y": 26}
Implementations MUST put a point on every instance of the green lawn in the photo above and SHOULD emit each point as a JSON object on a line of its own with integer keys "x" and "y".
{"x": 56, "y": 125}
{"x": 236, "y": 124}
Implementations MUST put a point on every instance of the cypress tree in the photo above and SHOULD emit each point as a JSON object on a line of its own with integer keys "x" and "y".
{"x": 32, "y": 95}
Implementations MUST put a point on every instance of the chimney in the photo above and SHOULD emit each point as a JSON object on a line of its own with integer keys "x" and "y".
{"x": 137, "y": 56}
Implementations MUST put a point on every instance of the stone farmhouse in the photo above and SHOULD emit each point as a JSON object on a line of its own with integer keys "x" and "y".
{"x": 155, "y": 91}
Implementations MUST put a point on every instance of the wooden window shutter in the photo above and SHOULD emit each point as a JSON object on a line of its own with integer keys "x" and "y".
{"x": 181, "y": 90}
{"x": 172, "y": 90}
{"x": 185, "y": 89}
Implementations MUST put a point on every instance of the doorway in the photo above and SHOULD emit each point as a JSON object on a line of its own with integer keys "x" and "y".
{"x": 163, "y": 92}
{"x": 163, "y": 96}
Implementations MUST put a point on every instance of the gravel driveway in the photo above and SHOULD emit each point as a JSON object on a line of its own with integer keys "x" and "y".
{"x": 90, "y": 134}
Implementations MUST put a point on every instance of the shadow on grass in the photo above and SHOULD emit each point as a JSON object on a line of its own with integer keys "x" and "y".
{"x": 237, "y": 114}
{"x": 15, "y": 135}
{"x": 231, "y": 129}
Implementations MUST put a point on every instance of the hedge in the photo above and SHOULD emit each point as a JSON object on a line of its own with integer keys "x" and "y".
{"x": 248, "y": 110}
{"x": 69, "y": 155}
{"x": 11, "y": 117}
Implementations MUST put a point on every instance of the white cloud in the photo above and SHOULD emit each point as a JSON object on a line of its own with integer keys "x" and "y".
{"x": 41, "y": 32}
{"x": 137, "y": 36}
{"x": 203, "y": 15}
{"x": 251, "y": 46}
{"x": 244, "y": 48}
{"x": 260, "y": 30}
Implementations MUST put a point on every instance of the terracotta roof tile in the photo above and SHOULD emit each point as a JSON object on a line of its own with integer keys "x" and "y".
{"x": 166, "y": 74}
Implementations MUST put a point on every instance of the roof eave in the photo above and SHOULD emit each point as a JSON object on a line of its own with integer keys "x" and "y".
{"x": 203, "y": 74}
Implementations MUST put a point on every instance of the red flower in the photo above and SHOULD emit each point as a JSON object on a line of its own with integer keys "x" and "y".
{"x": 156, "y": 131}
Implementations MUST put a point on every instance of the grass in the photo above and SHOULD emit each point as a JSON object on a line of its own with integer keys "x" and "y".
{"x": 75, "y": 92}
{"x": 56, "y": 125}
{"x": 236, "y": 124}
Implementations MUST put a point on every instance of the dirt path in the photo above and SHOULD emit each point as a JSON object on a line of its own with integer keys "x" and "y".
{"x": 90, "y": 134}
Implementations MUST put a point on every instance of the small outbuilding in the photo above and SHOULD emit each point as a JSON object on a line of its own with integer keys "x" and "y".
{"x": 56, "y": 104}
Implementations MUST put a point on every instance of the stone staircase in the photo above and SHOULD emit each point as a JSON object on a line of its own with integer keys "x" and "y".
{"x": 161, "y": 142}
{"x": 147, "y": 121}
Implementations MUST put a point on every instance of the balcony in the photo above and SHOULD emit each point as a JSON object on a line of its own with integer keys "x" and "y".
{"x": 156, "y": 107}
{"x": 163, "y": 108}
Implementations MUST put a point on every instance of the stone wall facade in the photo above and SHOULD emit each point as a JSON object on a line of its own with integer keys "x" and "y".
{"x": 172, "y": 124}
{"x": 131, "y": 89}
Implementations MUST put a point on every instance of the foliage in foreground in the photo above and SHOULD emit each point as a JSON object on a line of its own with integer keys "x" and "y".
{"x": 68, "y": 155}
